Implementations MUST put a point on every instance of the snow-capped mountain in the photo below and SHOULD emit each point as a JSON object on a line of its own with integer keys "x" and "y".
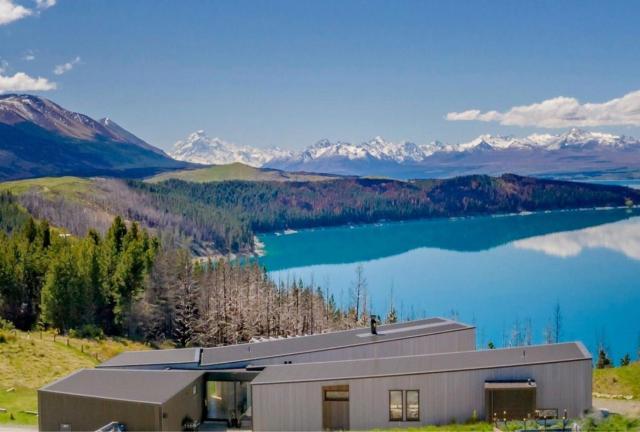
{"x": 200, "y": 148}
{"x": 571, "y": 152}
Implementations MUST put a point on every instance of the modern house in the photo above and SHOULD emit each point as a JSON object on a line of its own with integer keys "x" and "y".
{"x": 406, "y": 374}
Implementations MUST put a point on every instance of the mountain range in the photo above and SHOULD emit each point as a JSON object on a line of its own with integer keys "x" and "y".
{"x": 576, "y": 153}
{"x": 40, "y": 138}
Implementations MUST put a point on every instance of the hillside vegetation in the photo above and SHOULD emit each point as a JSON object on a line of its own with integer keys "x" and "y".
{"x": 30, "y": 360}
{"x": 619, "y": 381}
{"x": 237, "y": 171}
{"x": 223, "y": 216}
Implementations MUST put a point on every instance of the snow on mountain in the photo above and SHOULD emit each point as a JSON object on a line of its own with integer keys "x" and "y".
{"x": 379, "y": 155}
{"x": 23, "y": 108}
{"x": 198, "y": 147}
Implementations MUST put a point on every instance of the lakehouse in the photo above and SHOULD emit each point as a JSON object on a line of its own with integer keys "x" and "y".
{"x": 406, "y": 374}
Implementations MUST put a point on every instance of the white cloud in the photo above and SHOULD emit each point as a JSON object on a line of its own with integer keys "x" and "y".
{"x": 45, "y": 4}
{"x": 10, "y": 12}
{"x": 66, "y": 67}
{"x": 29, "y": 56}
{"x": 4, "y": 65}
{"x": 561, "y": 112}
{"x": 23, "y": 82}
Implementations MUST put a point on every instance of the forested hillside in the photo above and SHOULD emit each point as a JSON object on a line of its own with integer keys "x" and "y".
{"x": 223, "y": 217}
{"x": 126, "y": 283}
{"x": 270, "y": 206}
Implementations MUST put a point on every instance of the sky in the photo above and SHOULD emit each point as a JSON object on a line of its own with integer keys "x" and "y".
{"x": 289, "y": 73}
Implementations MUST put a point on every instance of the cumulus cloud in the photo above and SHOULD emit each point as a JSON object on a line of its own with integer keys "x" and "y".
{"x": 10, "y": 12}
{"x": 66, "y": 67}
{"x": 23, "y": 82}
{"x": 561, "y": 112}
{"x": 45, "y": 4}
{"x": 4, "y": 65}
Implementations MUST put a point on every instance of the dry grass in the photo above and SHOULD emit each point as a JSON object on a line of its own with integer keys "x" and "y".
{"x": 30, "y": 360}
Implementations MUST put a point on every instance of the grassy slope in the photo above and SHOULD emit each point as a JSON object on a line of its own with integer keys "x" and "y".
{"x": 618, "y": 381}
{"x": 236, "y": 171}
{"x": 70, "y": 187}
{"x": 28, "y": 362}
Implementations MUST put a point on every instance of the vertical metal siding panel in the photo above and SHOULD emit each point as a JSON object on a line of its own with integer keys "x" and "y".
{"x": 84, "y": 413}
{"x": 443, "y": 396}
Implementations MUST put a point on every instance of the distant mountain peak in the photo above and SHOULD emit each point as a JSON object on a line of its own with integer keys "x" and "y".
{"x": 39, "y": 137}
{"x": 200, "y": 148}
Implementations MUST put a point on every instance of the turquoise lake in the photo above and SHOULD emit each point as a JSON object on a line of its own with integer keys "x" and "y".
{"x": 496, "y": 272}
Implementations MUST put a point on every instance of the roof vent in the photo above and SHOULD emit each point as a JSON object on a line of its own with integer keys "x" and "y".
{"x": 374, "y": 324}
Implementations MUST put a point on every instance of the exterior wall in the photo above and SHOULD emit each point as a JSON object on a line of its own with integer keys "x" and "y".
{"x": 459, "y": 340}
{"x": 84, "y": 413}
{"x": 184, "y": 404}
{"x": 443, "y": 396}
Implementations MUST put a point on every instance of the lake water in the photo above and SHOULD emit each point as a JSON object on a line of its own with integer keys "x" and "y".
{"x": 493, "y": 272}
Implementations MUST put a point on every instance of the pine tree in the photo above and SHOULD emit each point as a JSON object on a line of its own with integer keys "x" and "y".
{"x": 64, "y": 295}
{"x": 626, "y": 360}
{"x": 603, "y": 360}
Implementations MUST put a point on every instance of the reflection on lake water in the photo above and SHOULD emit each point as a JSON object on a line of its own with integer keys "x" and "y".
{"x": 492, "y": 271}
{"x": 622, "y": 237}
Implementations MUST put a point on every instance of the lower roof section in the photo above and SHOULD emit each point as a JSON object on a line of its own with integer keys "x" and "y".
{"x": 144, "y": 386}
{"x": 423, "y": 364}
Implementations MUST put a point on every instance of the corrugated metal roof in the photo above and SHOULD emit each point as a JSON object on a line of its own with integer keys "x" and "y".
{"x": 155, "y": 357}
{"x": 321, "y": 342}
{"x": 421, "y": 364}
{"x": 146, "y": 386}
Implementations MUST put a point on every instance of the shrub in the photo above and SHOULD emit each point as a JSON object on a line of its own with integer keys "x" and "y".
{"x": 88, "y": 331}
{"x": 6, "y": 325}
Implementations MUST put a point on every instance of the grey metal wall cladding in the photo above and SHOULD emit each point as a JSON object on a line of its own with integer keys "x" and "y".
{"x": 88, "y": 413}
{"x": 444, "y": 396}
{"x": 188, "y": 402}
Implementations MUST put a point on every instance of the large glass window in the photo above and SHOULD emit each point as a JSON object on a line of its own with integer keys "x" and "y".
{"x": 395, "y": 405}
{"x": 413, "y": 405}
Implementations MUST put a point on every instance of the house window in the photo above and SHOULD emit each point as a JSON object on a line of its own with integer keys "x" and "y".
{"x": 395, "y": 405}
{"x": 413, "y": 405}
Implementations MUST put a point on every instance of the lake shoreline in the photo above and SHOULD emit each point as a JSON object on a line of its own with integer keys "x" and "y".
{"x": 260, "y": 249}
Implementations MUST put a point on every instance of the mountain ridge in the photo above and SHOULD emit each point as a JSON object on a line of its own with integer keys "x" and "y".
{"x": 577, "y": 151}
{"x": 39, "y": 138}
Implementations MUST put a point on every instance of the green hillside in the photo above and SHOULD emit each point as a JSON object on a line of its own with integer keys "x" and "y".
{"x": 30, "y": 360}
{"x": 620, "y": 381}
{"x": 50, "y": 186}
{"x": 237, "y": 171}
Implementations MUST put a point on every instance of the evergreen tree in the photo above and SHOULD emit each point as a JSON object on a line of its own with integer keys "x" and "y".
{"x": 603, "y": 360}
{"x": 626, "y": 360}
{"x": 64, "y": 295}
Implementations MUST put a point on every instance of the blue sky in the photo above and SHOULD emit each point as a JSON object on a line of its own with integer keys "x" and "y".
{"x": 289, "y": 73}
